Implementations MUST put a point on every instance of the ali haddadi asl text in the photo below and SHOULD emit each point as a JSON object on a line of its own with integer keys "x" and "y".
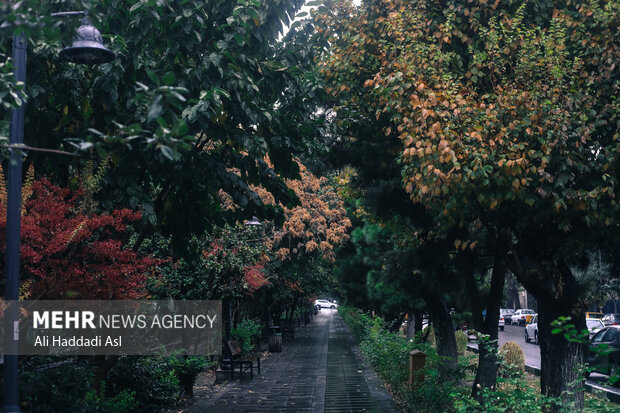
{"x": 59, "y": 341}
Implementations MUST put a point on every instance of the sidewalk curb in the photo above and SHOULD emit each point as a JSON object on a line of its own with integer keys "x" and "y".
{"x": 591, "y": 386}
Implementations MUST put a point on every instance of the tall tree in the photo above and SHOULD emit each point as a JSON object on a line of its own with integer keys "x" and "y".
{"x": 197, "y": 87}
{"x": 508, "y": 119}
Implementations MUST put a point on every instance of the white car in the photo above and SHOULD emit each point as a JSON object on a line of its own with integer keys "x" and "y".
{"x": 326, "y": 304}
{"x": 594, "y": 325}
{"x": 531, "y": 330}
{"x": 506, "y": 313}
{"x": 522, "y": 316}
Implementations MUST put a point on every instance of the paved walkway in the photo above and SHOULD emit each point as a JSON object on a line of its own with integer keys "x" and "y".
{"x": 320, "y": 371}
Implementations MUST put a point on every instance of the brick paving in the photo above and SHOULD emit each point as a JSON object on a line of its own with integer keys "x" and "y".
{"x": 295, "y": 379}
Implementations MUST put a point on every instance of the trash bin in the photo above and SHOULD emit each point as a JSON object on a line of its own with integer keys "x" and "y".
{"x": 275, "y": 339}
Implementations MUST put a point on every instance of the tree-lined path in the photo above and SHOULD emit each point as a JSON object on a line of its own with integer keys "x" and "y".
{"x": 319, "y": 371}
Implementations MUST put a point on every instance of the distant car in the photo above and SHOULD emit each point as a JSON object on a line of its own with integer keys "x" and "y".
{"x": 612, "y": 319}
{"x": 501, "y": 322}
{"x": 607, "y": 362}
{"x": 594, "y": 325}
{"x": 594, "y": 314}
{"x": 531, "y": 330}
{"x": 506, "y": 313}
{"x": 522, "y": 316}
{"x": 326, "y": 304}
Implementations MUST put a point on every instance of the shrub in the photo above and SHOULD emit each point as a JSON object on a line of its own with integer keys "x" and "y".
{"x": 461, "y": 342}
{"x": 513, "y": 361}
{"x": 247, "y": 333}
{"x": 187, "y": 369}
{"x": 123, "y": 402}
{"x": 153, "y": 378}
{"x": 430, "y": 338}
{"x": 388, "y": 353}
{"x": 53, "y": 383}
{"x": 356, "y": 320}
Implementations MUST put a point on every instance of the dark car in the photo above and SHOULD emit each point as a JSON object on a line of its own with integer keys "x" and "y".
{"x": 607, "y": 359}
{"x": 611, "y": 319}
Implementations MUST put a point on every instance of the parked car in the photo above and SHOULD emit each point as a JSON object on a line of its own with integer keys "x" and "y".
{"x": 607, "y": 362}
{"x": 594, "y": 325}
{"x": 501, "y": 322}
{"x": 506, "y": 313}
{"x": 611, "y": 319}
{"x": 531, "y": 330}
{"x": 326, "y": 304}
{"x": 594, "y": 314}
{"x": 522, "y": 316}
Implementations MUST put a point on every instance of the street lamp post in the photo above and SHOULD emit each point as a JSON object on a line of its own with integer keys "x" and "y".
{"x": 253, "y": 223}
{"x": 87, "y": 48}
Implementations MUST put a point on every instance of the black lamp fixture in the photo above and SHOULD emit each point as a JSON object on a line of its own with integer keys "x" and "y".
{"x": 87, "y": 47}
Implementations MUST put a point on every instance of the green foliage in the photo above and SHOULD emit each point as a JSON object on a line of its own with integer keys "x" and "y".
{"x": 510, "y": 395}
{"x": 10, "y": 96}
{"x": 461, "y": 342}
{"x": 430, "y": 338}
{"x": 55, "y": 383}
{"x": 123, "y": 402}
{"x": 198, "y": 91}
{"x": 388, "y": 353}
{"x": 247, "y": 333}
{"x": 187, "y": 369}
{"x": 513, "y": 360}
{"x": 212, "y": 260}
{"x": 503, "y": 118}
{"x": 9, "y": 89}
{"x": 152, "y": 378}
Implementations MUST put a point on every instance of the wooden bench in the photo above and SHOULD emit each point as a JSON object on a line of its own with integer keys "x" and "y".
{"x": 236, "y": 358}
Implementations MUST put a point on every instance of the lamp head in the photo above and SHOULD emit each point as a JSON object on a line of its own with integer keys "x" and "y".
{"x": 87, "y": 47}
{"x": 254, "y": 222}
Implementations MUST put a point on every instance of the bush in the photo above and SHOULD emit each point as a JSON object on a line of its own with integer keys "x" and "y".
{"x": 123, "y": 402}
{"x": 187, "y": 369}
{"x": 430, "y": 338}
{"x": 356, "y": 320}
{"x": 53, "y": 383}
{"x": 461, "y": 342}
{"x": 247, "y": 333}
{"x": 513, "y": 360}
{"x": 152, "y": 378}
{"x": 388, "y": 353}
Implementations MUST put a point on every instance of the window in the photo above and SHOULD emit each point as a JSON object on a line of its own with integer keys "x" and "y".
{"x": 610, "y": 335}
{"x": 598, "y": 337}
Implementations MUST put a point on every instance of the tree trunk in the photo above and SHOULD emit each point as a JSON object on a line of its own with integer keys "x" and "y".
{"x": 103, "y": 365}
{"x": 486, "y": 374}
{"x": 444, "y": 331}
{"x": 558, "y": 294}
{"x": 411, "y": 324}
{"x": 560, "y": 359}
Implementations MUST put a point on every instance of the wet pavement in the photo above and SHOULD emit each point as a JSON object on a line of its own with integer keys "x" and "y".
{"x": 321, "y": 370}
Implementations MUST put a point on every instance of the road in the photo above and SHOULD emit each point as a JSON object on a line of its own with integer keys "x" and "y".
{"x": 517, "y": 334}
{"x": 532, "y": 351}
